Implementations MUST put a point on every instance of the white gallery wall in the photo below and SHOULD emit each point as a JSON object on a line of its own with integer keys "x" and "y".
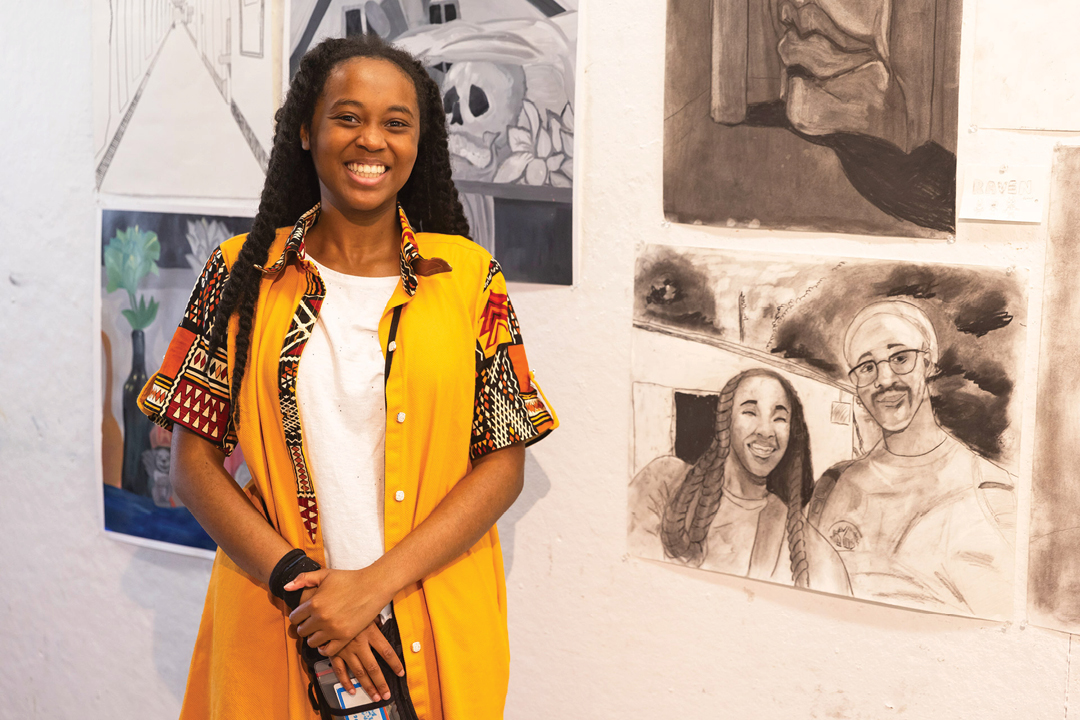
{"x": 93, "y": 628}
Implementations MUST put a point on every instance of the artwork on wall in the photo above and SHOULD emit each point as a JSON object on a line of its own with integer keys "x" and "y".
{"x": 149, "y": 264}
{"x": 506, "y": 71}
{"x": 1054, "y": 552}
{"x": 184, "y": 97}
{"x": 830, "y": 117}
{"x": 848, "y": 426}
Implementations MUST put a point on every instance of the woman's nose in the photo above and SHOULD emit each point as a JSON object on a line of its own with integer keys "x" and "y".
{"x": 371, "y": 137}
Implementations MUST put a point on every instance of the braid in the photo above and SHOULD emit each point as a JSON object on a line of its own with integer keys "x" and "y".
{"x": 673, "y": 532}
{"x": 693, "y": 507}
{"x": 292, "y": 185}
{"x": 799, "y": 475}
{"x": 698, "y": 498}
{"x": 793, "y": 481}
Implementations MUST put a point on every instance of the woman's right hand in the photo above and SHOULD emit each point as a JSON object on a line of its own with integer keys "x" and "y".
{"x": 357, "y": 656}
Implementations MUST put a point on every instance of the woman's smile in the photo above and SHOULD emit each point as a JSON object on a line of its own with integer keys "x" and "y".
{"x": 367, "y": 173}
{"x": 761, "y": 450}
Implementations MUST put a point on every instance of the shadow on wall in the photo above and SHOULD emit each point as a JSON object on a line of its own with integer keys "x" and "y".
{"x": 537, "y": 486}
{"x": 174, "y": 588}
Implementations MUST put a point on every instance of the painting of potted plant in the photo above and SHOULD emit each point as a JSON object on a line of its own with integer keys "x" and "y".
{"x": 130, "y": 256}
{"x": 150, "y": 260}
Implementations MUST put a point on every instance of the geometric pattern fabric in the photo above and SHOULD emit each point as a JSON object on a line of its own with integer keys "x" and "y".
{"x": 193, "y": 390}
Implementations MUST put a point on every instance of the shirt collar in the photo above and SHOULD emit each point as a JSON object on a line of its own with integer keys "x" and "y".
{"x": 412, "y": 263}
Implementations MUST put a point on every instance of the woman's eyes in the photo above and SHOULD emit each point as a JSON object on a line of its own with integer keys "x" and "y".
{"x": 395, "y": 124}
{"x": 753, "y": 413}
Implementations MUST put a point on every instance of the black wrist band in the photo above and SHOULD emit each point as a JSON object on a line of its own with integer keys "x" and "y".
{"x": 293, "y": 563}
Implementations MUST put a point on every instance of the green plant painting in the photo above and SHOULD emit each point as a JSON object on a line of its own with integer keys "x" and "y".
{"x": 130, "y": 256}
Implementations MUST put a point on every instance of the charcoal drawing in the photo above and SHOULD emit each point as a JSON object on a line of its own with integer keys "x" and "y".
{"x": 835, "y": 116}
{"x": 842, "y": 425}
{"x": 739, "y": 508}
{"x": 1054, "y": 552}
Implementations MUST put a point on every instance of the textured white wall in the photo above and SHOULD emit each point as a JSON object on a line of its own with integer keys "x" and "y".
{"x": 90, "y": 628}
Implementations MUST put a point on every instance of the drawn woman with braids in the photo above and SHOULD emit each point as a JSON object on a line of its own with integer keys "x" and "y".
{"x": 739, "y": 508}
{"x": 376, "y": 380}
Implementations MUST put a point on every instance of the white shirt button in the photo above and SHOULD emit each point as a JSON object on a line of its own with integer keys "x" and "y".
{"x": 392, "y": 346}
{"x": 401, "y": 417}
{"x": 399, "y": 495}
{"x": 416, "y": 647}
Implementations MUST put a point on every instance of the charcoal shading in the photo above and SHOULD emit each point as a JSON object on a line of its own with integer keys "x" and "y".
{"x": 831, "y": 116}
{"x": 841, "y": 425}
{"x": 1054, "y": 552}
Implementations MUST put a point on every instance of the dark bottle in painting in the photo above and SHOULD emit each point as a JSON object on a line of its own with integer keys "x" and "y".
{"x": 136, "y": 425}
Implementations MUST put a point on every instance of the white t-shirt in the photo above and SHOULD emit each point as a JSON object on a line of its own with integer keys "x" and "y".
{"x": 922, "y": 531}
{"x": 342, "y": 404}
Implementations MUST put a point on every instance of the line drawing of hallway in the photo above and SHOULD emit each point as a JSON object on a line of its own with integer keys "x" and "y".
{"x": 183, "y": 139}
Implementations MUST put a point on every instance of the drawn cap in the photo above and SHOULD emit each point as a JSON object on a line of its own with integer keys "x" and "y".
{"x": 898, "y": 308}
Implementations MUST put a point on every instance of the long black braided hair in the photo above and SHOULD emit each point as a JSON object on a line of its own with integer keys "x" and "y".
{"x": 292, "y": 186}
{"x": 689, "y": 513}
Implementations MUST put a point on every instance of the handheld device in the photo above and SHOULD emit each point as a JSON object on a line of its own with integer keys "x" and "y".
{"x": 338, "y": 698}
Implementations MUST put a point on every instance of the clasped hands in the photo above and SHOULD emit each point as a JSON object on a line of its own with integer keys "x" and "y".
{"x": 336, "y": 615}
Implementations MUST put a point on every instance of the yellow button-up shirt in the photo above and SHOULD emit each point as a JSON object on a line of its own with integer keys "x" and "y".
{"x": 458, "y": 387}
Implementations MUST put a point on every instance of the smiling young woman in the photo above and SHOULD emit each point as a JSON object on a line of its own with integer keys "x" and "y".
{"x": 382, "y": 461}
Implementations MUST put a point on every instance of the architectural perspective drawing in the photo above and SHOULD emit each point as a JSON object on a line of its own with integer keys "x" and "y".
{"x": 150, "y": 261}
{"x": 830, "y": 116}
{"x": 842, "y": 425}
{"x": 506, "y": 70}
{"x": 1054, "y": 553}
{"x": 183, "y": 97}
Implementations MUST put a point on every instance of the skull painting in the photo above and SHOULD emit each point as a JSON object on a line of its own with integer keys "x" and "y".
{"x": 482, "y": 100}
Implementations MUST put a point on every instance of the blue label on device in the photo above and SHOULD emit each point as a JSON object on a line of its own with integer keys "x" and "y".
{"x": 345, "y": 699}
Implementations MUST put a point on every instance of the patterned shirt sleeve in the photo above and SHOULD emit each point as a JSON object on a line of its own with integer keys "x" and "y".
{"x": 189, "y": 389}
{"x": 509, "y": 406}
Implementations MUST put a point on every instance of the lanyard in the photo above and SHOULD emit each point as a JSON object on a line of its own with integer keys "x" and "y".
{"x": 391, "y": 346}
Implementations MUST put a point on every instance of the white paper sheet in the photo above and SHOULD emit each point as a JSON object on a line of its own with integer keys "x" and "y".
{"x": 1005, "y": 193}
{"x": 727, "y": 342}
{"x": 183, "y": 100}
{"x": 1026, "y": 78}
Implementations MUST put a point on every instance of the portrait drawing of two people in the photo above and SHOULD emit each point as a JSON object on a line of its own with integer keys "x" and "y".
{"x": 919, "y": 520}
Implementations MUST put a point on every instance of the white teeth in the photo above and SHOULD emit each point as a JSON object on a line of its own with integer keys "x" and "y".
{"x": 368, "y": 170}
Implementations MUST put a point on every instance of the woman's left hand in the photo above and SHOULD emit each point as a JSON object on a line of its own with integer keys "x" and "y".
{"x": 345, "y": 603}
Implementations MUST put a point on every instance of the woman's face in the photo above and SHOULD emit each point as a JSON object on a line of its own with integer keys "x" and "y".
{"x": 760, "y": 427}
{"x": 364, "y": 134}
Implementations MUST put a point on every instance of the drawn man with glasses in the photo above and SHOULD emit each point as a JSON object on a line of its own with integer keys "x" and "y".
{"x": 920, "y": 520}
